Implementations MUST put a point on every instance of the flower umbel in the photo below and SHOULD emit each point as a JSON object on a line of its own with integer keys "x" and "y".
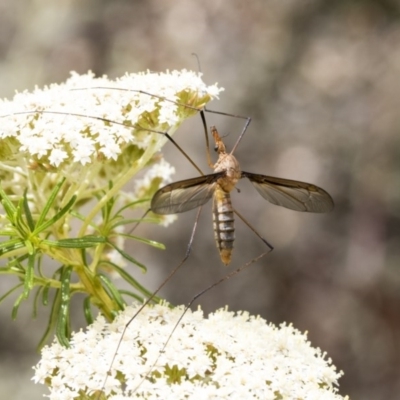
{"x": 223, "y": 356}
{"x": 66, "y": 152}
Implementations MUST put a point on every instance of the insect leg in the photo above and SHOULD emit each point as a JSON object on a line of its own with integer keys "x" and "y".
{"x": 171, "y": 274}
{"x": 201, "y": 110}
{"x": 251, "y": 228}
{"x": 166, "y": 134}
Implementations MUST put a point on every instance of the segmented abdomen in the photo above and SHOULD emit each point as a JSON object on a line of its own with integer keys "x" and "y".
{"x": 224, "y": 228}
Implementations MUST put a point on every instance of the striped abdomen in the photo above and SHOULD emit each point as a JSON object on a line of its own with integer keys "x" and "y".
{"x": 224, "y": 228}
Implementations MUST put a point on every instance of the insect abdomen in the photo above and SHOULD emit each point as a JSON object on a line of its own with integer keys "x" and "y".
{"x": 224, "y": 227}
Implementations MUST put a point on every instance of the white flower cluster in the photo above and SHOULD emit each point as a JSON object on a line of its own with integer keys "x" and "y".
{"x": 224, "y": 356}
{"x": 73, "y": 122}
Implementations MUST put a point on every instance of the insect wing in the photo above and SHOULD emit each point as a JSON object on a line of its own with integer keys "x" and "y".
{"x": 295, "y": 195}
{"x": 184, "y": 195}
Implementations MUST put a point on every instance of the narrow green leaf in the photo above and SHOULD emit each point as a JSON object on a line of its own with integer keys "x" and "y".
{"x": 52, "y": 319}
{"x": 36, "y": 300}
{"x": 15, "y": 265}
{"x": 107, "y": 209}
{"x": 126, "y": 221}
{"x": 49, "y": 203}
{"x": 133, "y": 282}
{"x": 8, "y": 232}
{"x": 140, "y": 299}
{"x": 113, "y": 291}
{"x": 8, "y": 205}
{"x": 87, "y": 311}
{"x": 12, "y": 290}
{"x": 127, "y": 256}
{"x": 45, "y": 295}
{"x": 77, "y": 243}
{"x": 19, "y": 222}
{"x": 28, "y": 214}
{"x": 62, "y": 324}
{"x": 132, "y": 204}
{"x": 39, "y": 264}
{"x": 143, "y": 240}
{"x": 55, "y": 218}
{"x": 29, "y": 274}
{"x": 29, "y": 247}
{"x": 11, "y": 245}
{"x": 17, "y": 303}
{"x": 12, "y": 269}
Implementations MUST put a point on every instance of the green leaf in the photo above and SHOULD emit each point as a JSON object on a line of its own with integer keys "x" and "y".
{"x": 16, "y": 306}
{"x": 77, "y": 243}
{"x": 11, "y": 245}
{"x": 36, "y": 300}
{"x": 15, "y": 265}
{"x": 52, "y": 319}
{"x": 28, "y": 213}
{"x": 8, "y": 232}
{"x": 133, "y": 282}
{"x": 29, "y": 274}
{"x": 132, "y": 204}
{"x": 140, "y": 299}
{"x": 125, "y": 221}
{"x": 49, "y": 203}
{"x": 55, "y": 218}
{"x": 62, "y": 324}
{"x": 113, "y": 291}
{"x": 19, "y": 222}
{"x": 153, "y": 243}
{"x": 45, "y": 295}
{"x": 10, "y": 291}
{"x": 29, "y": 247}
{"x": 87, "y": 311}
{"x": 8, "y": 205}
{"x": 127, "y": 256}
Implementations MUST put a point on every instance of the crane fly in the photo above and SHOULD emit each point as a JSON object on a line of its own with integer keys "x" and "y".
{"x": 191, "y": 193}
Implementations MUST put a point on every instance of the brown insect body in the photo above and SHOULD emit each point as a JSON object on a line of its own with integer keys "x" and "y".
{"x": 223, "y": 214}
{"x": 224, "y": 224}
{"x": 188, "y": 194}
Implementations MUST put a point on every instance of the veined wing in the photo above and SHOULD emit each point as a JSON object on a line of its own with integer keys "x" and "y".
{"x": 295, "y": 195}
{"x": 185, "y": 195}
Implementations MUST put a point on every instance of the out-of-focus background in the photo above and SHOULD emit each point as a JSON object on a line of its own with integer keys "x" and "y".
{"x": 321, "y": 81}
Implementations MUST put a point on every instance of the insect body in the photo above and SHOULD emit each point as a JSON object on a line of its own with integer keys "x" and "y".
{"x": 224, "y": 229}
{"x": 191, "y": 193}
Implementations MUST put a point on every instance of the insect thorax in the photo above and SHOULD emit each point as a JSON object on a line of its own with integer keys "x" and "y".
{"x": 228, "y": 163}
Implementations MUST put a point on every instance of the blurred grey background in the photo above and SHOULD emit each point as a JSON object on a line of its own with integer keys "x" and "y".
{"x": 321, "y": 81}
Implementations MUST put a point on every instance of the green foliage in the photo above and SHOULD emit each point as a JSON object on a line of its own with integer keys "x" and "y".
{"x": 30, "y": 238}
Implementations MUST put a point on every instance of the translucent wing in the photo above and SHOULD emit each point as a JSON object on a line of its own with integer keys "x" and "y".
{"x": 184, "y": 195}
{"x": 295, "y": 195}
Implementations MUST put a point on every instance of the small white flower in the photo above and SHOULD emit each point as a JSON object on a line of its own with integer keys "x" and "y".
{"x": 161, "y": 172}
{"x": 167, "y": 219}
{"x": 225, "y": 356}
{"x": 57, "y": 156}
{"x": 67, "y": 117}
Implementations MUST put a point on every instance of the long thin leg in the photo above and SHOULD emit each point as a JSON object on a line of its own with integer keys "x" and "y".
{"x": 246, "y": 125}
{"x": 170, "y": 101}
{"x": 203, "y": 120}
{"x": 171, "y": 274}
{"x": 116, "y": 123}
{"x": 251, "y": 227}
{"x": 201, "y": 110}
